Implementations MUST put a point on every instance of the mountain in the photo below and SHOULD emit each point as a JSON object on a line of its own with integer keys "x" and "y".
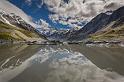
{"x": 51, "y": 33}
{"x": 102, "y": 23}
{"x": 109, "y": 24}
{"x": 94, "y": 25}
{"x": 116, "y": 14}
{"x": 114, "y": 30}
{"x": 13, "y": 27}
{"x": 58, "y": 35}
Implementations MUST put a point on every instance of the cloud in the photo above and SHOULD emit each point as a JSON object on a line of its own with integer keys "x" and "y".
{"x": 10, "y": 8}
{"x": 43, "y": 24}
{"x": 29, "y": 2}
{"x": 38, "y": 3}
{"x": 75, "y": 13}
{"x": 80, "y": 9}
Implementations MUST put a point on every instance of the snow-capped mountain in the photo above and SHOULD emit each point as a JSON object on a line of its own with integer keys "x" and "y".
{"x": 13, "y": 27}
{"x": 14, "y": 20}
{"x": 53, "y": 34}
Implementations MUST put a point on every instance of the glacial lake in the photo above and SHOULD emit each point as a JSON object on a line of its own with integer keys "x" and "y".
{"x": 61, "y": 63}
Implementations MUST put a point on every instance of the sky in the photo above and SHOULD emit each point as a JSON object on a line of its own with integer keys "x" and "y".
{"x": 60, "y": 13}
{"x": 37, "y": 12}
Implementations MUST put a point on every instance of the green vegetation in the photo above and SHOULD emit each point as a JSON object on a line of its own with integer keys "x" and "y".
{"x": 6, "y": 36}
{"x": 9, "y": 32}
{"x": 109, "y": 34}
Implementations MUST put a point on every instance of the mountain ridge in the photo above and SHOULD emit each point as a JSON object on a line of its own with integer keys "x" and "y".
{"x": 14, "y": 28}
{"x": 114, "y": 30}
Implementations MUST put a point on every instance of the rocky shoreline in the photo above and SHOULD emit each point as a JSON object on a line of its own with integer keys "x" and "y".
{"x": 105, "y": 43}
{"x": 2, "y": 42}
{"x": 88, "y": 43}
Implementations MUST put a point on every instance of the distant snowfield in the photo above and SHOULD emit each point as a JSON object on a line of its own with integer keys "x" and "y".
{"x": 67, "y": 66}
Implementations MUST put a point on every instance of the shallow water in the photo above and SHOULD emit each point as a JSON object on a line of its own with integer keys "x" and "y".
{"x": 61, "y": 63}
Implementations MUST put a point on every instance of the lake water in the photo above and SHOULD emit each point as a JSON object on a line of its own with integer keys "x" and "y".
{"x": 61, "y": 63}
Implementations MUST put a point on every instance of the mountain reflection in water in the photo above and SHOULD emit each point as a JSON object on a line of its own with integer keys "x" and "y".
{"x": 61, "y": 63}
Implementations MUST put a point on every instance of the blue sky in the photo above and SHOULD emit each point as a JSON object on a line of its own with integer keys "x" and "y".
{"x": 37, "y": 13}
{"x": 71, "y": 13}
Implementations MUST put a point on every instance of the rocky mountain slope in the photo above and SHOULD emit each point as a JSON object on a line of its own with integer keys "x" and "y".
{"x": 104, "y": 26}
{"x": 114, "y": 30}
{"x": 97, "y": 23}
{"x": 94, "y": 25}
{"x": 13, "y": 27}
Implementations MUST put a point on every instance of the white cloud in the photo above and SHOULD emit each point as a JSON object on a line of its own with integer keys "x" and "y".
{"x": 38, "y": 3}
{"x": 43, "y": 24}
{"x": 75, "y": 11}
{"x": 10, "y": 8}
{"x": 80, "y": 9}
{"x": 29, "y": 2}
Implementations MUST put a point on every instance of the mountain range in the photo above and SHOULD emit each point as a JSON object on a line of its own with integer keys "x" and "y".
{"x": 114, "y": 28}
{"x": 105, "y": 26}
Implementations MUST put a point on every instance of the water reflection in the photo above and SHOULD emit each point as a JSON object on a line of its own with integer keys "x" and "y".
{"x": 111, "y": 58}
{"x": 13, "y": 60}
{"x": 65, "y": 63}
